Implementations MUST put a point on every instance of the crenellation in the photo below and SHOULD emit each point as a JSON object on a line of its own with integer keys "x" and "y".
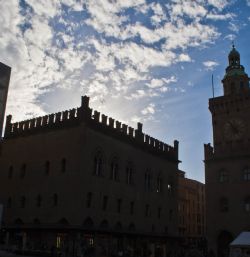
{"x": 58, "y": 117}
{"x": 86, "y": 114}
{"x": 72, "y": 114}
{"x": 104, "y": 120}
{"x": 125, "y": 129}
{"x": 65, "y": 115}
{"x": 39, "y": 122}
{"x": 96, "y": 116}
{"x": 111, "y": 122}
{"x": 131, "y": 131}
{"x": 118, "y": 125}
{"x": 51, "y": 118}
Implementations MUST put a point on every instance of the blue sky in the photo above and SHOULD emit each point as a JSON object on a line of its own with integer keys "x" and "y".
{"x": 138, "y": 60}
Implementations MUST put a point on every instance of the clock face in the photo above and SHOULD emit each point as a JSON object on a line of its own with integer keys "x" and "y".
{"x": 234, "y": 129}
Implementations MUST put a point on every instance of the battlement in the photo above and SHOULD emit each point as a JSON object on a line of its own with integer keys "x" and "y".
{"x": 54, "y": 120}
{"x": 223, "y": 104}
{"x": 95, "y": 120}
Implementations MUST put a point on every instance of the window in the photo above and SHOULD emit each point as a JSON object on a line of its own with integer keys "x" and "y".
{"x": 170, "y": 188}
{"x": 132, "y": 206}
{"x": 224, "y": 204}
{"x": 38, "y": 201}
{"x": 247, "y": 204}
{"x": 63, "y": 167}
{"x": 147, "y": 181}
{"x": 159, "y": 185}
{"x": 98, "y": 164}
{"x": 23, "y": 171}
{"x": 146, "y": 210}
{"x": 47, "y": 167}
{"x": 10, "y": 173}
{"x": 159, "y": 212}
{"x": 119, "y": 205}
{"x": 246, "y": 174}
{"x": 89, "y": 200}
{"x": 23, "y": 202}
{"x": 223, "y": 176}
{"x": 170, "y": 215}
{"x": 9, "y": 202}
{"x": 114, "y": 170}
{"x": 55, "y": 200}
{"x": 105, "y": 203}
{"x": 129, "y": 174}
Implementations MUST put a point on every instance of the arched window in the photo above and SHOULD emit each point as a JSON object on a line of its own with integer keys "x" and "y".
{"x": 159, "y": 184}
{"x": 23, "y": 171}
{"x": 63, "y": 165}
{"x": 47, "y": 167}
{"x": 147, "y": 181}
{"x": 114, "y": 169}
{"x": 55, "y": 200}
{"x": 23, "y": 202}
{"x": 98, "y": 164}
{"x": 224, "y": 206}
{"x": 89, "y": 199}
{"x": 223, "y": 176}
{"x": 39, "y": 201}
{"x": 9, "y": 202}
{"x": 246, "y": 174}
{"x": 129, "y": 173}
{"x": 247, "y": 204}
{"x": 10, "y": 173}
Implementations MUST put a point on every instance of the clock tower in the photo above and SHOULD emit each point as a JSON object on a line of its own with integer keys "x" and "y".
{"x": 227, "y": 163}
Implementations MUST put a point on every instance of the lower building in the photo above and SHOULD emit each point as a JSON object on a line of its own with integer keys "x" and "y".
{"x": 191, "y": 212}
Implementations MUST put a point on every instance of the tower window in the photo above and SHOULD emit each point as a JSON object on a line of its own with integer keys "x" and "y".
{"x": 224, "y": 205}
{"x": 247, "y": 204}
{"x": 246, "y": 174}
{"x": 223, "y": 176}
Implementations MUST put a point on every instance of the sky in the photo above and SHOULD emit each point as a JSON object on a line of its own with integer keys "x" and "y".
{"x": 138, "y": 60}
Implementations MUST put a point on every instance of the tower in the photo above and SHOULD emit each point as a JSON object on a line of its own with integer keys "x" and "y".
{"x": 4, "y": 86}
{"x": 227, "y": 163}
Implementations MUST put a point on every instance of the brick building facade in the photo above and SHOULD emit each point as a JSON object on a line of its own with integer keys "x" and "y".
{"x": 77, "y": 180}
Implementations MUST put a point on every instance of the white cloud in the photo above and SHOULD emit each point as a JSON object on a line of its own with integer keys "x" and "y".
{"x": 210, "y": 65}
{"x": 150, "y": 109}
